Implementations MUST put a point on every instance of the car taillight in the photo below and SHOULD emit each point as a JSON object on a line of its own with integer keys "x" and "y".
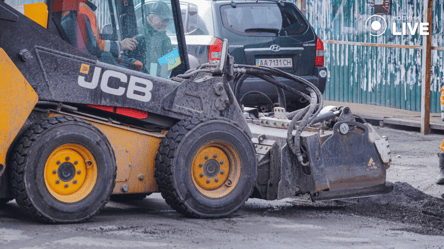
{"x": 215, "y": 50}
{"x": 319, "y": 61}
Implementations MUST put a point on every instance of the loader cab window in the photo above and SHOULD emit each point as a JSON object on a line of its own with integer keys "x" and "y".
{"x": 135, "y": 34}
{"x": 156, "y": 37}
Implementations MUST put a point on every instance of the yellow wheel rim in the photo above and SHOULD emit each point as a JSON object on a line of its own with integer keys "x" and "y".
{"x": 216, "y": 169}
{"x": 442, "y": 146}
{"x": 70, "y": 173}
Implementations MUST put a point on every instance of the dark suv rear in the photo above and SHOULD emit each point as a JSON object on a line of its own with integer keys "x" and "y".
{"x": 265, "y": 33}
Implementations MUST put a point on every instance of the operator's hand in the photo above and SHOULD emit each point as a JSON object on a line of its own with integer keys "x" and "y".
{"x": 128, "y": 44}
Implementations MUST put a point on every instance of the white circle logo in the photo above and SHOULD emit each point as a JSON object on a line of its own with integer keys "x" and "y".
{"x": 376, "y": 24}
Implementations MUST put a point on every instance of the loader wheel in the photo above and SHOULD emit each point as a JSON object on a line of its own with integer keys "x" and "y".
{"x": 63, "y": 170}
{"x": 3, "y": 201}
{"x": 206, "y": 167}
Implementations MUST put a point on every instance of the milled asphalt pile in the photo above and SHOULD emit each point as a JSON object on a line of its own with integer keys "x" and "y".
{"x": 415, "y": 201}
{"x": 405, "y": 204}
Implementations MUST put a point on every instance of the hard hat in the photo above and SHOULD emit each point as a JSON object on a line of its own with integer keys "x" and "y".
{"x": 161, "y": 9}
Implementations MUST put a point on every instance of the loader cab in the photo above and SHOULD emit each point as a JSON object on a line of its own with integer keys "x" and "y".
{"x": 100, "y": 28}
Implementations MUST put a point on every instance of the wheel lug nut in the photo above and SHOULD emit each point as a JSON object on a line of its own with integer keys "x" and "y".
{"x": 222, "y": 172}
{"x": 206, "y": 157}
{"x": 58, "y": 162}
{"x": 216, "y": 180}
{"x": 79, "y": 172}
{"x": 66, "y": 185}
{"x": 208, "y": 180}
{"x": 54, "y": 172}
{"x": 75, "y": 162}
{"x": 201, "y": 175}
{"x": 215, "y": 156}
{"x": 67, "y": 158}
{"x": 221, "y": 161}
{"x": 57, "y": 181}
{"x": 201, "y": 165}
{"x": 75, "y": 181}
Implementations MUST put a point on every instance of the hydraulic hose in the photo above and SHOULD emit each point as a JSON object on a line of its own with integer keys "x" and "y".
{"x": 260, "y": 73}
{"x": 256, "y": 92}
{"x": 193, "y": 72}
{"x": 307, "y": 112}
{"x": 306, "y": 116}
{"x": 290, "y": 129}
{"x": 281, "y": 94}
{"x": 280, "y": 73}
{"x": 361, "y": 118}
{"x": 238, "y": 82}
{"x": 327, "y": 116}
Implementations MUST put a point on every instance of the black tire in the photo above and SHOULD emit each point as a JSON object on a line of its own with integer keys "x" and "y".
{"x": 28, "y": 179}
{"x": 128, "y": 197}
{"x": 174, "y": 162}
{"x": 3, "y": 201}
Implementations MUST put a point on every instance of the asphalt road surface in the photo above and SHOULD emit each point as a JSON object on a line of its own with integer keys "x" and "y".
{"x": 412, "y": 216}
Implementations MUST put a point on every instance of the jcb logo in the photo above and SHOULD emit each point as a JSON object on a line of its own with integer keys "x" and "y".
{"x": 138, "y": 88}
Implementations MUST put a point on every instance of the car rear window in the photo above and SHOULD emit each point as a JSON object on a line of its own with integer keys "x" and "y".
{"x": 254, "y": 18}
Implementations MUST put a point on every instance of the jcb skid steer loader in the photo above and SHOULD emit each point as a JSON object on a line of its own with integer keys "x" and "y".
{"x": 84, "y": 118}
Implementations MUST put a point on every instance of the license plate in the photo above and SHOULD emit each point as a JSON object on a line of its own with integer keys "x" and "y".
{"x": 275, "y": 62}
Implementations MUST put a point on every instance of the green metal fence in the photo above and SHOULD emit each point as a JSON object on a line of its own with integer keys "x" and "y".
{"x": 362, "y": 72}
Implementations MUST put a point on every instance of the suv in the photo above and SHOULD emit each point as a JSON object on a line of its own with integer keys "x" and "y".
{"x": 263, "y": 33}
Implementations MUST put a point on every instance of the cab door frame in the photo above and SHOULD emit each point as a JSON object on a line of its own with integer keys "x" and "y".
{"x": 54, "y": 26}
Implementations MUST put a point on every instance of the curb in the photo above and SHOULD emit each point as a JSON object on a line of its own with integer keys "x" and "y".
{"x": 406, "y": 123}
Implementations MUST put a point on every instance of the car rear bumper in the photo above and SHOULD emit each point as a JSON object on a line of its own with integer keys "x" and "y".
{"x": 319, "y": 79}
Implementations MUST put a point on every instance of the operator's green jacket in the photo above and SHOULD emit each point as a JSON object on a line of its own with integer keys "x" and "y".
{"x": 157, "y": 45}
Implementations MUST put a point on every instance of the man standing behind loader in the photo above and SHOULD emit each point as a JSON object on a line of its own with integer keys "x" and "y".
{"x": 156, "y": 40}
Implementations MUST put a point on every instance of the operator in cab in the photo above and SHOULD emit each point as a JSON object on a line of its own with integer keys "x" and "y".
{"x": 88, "y": 26}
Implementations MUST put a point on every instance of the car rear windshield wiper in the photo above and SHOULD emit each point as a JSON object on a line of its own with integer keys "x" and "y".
{"x": 269, "y": 30}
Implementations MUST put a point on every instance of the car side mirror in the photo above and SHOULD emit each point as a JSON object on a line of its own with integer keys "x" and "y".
{"x": 193, "y": 18}
{"x": 190, "y": 17}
